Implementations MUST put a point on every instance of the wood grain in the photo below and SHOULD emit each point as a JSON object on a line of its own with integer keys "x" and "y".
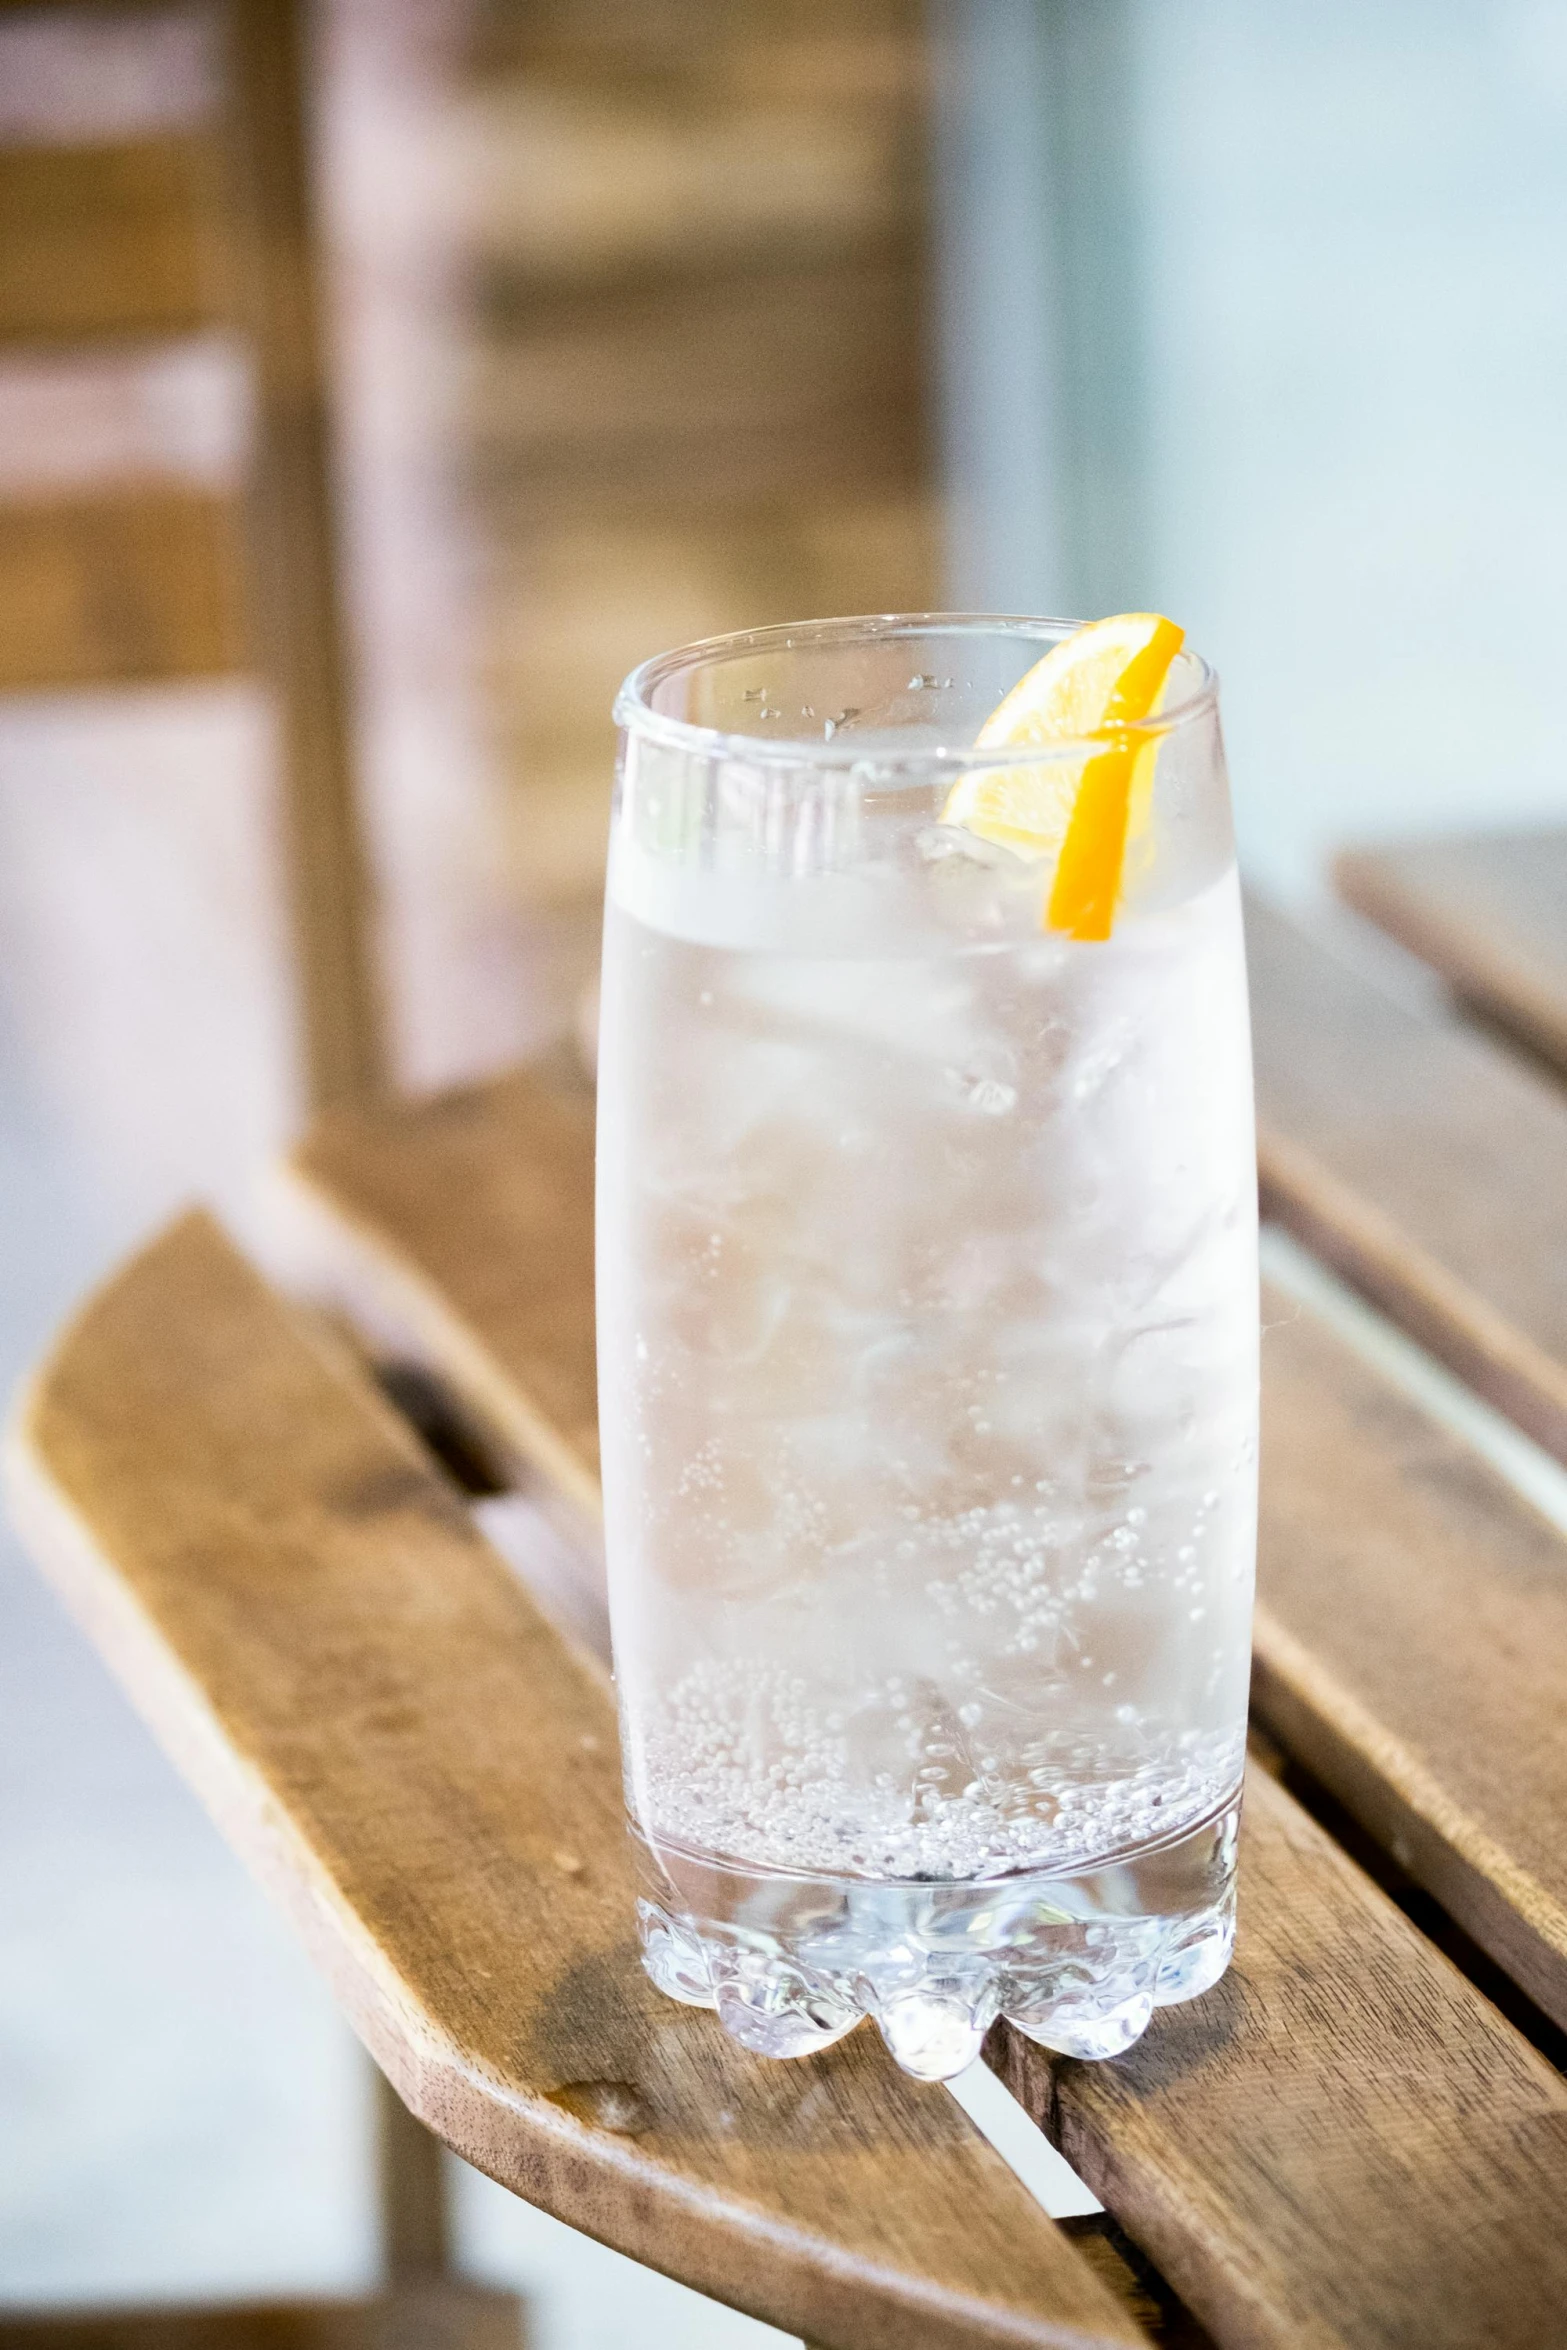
{"x": 1422, "y": 1163}
{"x": 124, "y": 586}
{"x": 428, "y": 1781}
{"x": 1342, "y": 2147}
{"x": 113, "y": 240}
{"x": 1489, "y": 912}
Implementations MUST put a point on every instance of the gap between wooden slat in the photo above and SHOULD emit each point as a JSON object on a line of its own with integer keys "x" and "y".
{"x": 1022, "y": 2144}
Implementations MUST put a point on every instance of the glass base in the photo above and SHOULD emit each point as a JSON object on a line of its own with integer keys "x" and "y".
{"x": 1079, "y": 1963}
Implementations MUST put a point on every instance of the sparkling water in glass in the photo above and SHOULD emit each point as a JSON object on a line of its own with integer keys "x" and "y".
{"x": 928, "y": 1337}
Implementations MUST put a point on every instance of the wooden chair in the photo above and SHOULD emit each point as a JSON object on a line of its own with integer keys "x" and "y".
{"x": 702, "y": 401}
{"x": 1356, "y": 2142}
{"x": 123, "y": 245}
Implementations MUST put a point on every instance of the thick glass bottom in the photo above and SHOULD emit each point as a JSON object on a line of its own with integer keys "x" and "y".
{"x": 1079, "y": 1963}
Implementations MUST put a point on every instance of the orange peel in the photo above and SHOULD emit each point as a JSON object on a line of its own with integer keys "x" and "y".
{"x": 1103, "y": 679}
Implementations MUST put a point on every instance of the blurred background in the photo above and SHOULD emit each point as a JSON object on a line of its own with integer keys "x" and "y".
{"x": 637, "y": 320}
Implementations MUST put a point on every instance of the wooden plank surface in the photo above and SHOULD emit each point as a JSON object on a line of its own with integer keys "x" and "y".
{"x": 1489, "y": 912}
{"x": 428, "y": 1780}
{"x": 1411, "y": 1642}
{"x": 113, "y": 240}
{"x": 1342, "y": 2144}
{"x": 1421, "y": 1162}
{"x": 122, "y": 586}
{"x": 1412, "y": 1633}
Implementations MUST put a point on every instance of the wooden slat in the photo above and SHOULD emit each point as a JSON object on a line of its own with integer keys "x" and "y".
{"x": 755, "y": 387}
{"x": 123, "y": 586}
{"x": 428, "y": 1781}
{"x": 1342, "y": 2144}
{"x": 1411, "y": 1644}
{"x": 832, "y": 52}
{"x": 1412, "y": 1641}
{"x": 108, "y": 241}
{"x": 558, "y": 645}
{"x": 586, "y": 185}
{"x": 1489, "y": 912}
{"x": 1422, "y": 1163}
{"x": 292, "y": 546}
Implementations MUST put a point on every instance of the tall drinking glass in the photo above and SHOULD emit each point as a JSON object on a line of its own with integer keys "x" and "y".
{"x": 928, "y": 1355}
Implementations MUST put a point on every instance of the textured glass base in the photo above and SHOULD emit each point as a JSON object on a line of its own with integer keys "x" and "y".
{"x": 1077, "y": 1962}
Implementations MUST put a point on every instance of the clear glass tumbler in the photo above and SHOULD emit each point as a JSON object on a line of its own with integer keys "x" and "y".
{"x": 928, "y": 1355}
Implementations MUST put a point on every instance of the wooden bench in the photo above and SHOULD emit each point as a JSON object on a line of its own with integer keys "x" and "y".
{"x": 1358, "y": 2139}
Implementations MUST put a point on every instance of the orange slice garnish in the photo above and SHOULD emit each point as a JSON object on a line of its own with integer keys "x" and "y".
{"x": 1103, "y": 678}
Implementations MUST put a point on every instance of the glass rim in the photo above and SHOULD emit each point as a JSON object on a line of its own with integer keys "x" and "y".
{"x": 634, "y": 713}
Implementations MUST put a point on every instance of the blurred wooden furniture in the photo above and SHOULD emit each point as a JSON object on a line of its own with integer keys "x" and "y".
{"x": 1488, "y": 913}
{"x": 1355, "y": 2141}
{"x": 700, "y": 393}
{"x": 112, "y": 251}
{"x": 126, "y": 245}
